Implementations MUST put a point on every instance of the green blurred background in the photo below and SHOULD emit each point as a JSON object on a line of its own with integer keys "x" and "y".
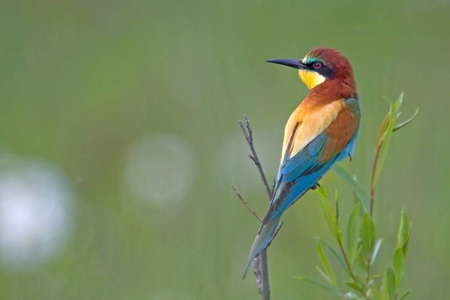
{"x": 129, "y": 110}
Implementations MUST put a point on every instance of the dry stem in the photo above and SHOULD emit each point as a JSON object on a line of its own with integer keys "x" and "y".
{"x": 259, "y": 264}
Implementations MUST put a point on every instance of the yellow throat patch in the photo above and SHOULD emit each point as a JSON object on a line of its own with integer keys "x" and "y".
{"x": 311, "y": 78}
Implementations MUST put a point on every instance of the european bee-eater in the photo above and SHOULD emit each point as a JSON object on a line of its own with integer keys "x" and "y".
{"x": 321, "y": 131}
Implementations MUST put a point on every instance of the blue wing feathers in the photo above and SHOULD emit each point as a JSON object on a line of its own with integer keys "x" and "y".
{"x": 299, "y": 173}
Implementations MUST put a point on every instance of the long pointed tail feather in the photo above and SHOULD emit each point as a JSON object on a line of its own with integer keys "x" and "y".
{"x": 262, "y": 240}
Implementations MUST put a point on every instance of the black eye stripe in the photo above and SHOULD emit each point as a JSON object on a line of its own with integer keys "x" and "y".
{"x": 324, "y": 70}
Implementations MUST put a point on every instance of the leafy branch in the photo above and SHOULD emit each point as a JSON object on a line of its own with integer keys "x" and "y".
{"x": 388, "y": 126}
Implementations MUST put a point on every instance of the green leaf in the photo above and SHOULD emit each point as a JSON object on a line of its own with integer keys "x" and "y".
{"x": 381, "y": 150}
{"x": 403, "y": 232}
{"x": 403, "y": 124}
{"x": 324, "y": 286}
{"x": 375, "y": 251}
{"x": 390, "y": 281}
{"x": 326, "y": 265}
{"x": 376, "y": 294}
{"x": 384, "y": 139}
{"x": 355, "y": 286}
{"x": 405, "y": 295}
{"x": 329, "y": 214}
{"x": 337, "y": 205}
{"x": 383, "y": 129}
{"x": 353, "y": 233}
{"x": 357, "y": 200}
{"x": 397, "y": 104}
{"x": 383, "y": 294}
{"x": 345, "y": 175}
{"x": 399, "y": 266}
{"x": 361, "y": 255}
{"x": 334, "y": 253}
{"x": 324, "y": 275}
{"x": 367, "y": 233}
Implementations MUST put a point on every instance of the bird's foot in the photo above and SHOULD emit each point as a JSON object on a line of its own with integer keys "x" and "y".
{"x": 315, "y": 186}
{"x": 350, "y": 157}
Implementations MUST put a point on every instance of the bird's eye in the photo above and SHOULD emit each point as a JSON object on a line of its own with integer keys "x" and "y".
{"x": 317, "y": 65}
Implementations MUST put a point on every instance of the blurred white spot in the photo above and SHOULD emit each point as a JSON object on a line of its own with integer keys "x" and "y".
{"x": 35, "y": 213}
{"x": 159, "y": 169}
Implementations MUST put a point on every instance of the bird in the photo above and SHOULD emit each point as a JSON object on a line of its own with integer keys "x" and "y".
{"x": 320, "y": 132}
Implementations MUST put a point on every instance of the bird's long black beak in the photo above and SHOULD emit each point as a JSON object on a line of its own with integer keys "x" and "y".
{"x": 294, "y": 63}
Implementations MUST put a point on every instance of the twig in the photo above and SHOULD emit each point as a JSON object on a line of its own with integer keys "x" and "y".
{"x": 349, "y": 267}
{"x": 368, "y": 272}
{"x": 259, "y": 264}
{"x": 247, "y": 131}
{"x": 246, "y": 204}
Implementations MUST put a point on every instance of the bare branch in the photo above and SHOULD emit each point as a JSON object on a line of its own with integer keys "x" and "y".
{"x": 259, "y": 264}
{"x": 247, "y": 131}
{"x": 246, "y": 204}
{"x": 261, "y": 272}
